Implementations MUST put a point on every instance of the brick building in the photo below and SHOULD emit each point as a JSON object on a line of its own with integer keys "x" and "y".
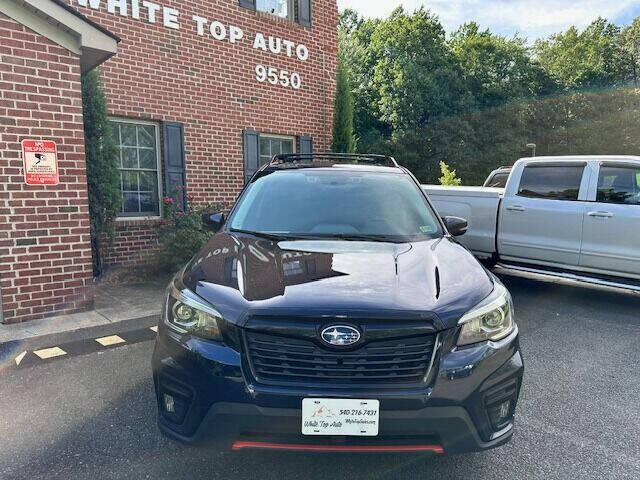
{"x": 200, "y": 94}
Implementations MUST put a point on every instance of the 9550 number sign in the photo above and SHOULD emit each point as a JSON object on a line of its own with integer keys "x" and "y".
{"x": 275, "y": 76}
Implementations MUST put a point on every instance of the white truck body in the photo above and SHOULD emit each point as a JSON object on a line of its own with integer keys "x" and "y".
{"x": 577, "y": 214}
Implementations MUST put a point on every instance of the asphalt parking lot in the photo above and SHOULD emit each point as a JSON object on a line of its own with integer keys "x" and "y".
{"x": 93, "y": 416}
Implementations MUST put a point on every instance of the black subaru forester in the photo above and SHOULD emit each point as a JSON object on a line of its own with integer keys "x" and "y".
{"x": 334, "y": 311}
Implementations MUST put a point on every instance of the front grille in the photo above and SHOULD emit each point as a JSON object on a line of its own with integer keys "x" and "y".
{"x": 283, "y": 361}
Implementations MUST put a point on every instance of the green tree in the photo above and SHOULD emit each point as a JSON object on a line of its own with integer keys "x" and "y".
{"x": 416, "y": 75}
{"x": 359, "y": 60}
{"x": 349, "y": 21}
{"x": 592, "y": 58}
{"x": 103, "y": 178}
{"x": 497, "y": 70}
{"x": 631, "y": 45}
{"x": 343, "y": 138}
{"x": 449, "y": 176}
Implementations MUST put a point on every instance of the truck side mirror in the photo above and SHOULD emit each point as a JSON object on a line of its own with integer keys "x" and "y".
{"x": 213, "y": 221}
{"x": 456, "y": 226}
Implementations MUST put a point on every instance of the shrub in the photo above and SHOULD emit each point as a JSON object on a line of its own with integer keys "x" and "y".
{"x": 103, "y": 178}
{"x": 449, "y": 176}
{"x": 343, "y": 138}
{"x": 181, "y": 234}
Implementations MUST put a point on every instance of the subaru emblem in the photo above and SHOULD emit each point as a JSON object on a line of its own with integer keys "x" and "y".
{"x": 340, "y": 335}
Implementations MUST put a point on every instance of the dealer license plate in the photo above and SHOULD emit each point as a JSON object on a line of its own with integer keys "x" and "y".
{"x": 333, "y": 416}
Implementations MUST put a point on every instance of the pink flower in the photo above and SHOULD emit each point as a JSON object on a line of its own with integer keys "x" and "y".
{"x": 168, "y": 200}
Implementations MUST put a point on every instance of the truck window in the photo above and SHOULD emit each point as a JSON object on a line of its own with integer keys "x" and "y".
{"x": 552, "y": 182}
{"x": 499, "y": 180}
{"x": 619, "y": 185}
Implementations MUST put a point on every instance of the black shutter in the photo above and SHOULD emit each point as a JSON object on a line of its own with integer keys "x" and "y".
{"x": 304, "y": 12}
{"x": 306, "y": 144}
{"x": 248, "y": 4}
{"x": 174, "y": 156}
{"x": 251, "y": 153}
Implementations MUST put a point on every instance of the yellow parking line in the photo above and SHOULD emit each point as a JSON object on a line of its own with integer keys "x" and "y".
{"x": 112, "y": 340}
{"x": 20, "y": 357}
{"x": 50, "y": 352}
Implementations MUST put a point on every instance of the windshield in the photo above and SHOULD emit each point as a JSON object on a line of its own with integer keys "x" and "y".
{"x": 323, "y": 203}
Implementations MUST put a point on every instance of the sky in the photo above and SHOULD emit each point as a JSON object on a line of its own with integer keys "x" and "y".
{"x": 529, "y": 18}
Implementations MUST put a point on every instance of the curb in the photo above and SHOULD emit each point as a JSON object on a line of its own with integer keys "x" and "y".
{"x": 18, "y": 354}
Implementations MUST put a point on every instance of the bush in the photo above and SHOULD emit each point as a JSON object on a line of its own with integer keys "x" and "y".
{"x": 449, "y": 176}
{"x": 103, "y": 178}
{"x": 181, "y": 234}
{"x": 343, "y": 138}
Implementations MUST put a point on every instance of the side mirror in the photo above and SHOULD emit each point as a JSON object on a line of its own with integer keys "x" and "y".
{"x": 456, "y": 226}
{"x": 213, "y": 221}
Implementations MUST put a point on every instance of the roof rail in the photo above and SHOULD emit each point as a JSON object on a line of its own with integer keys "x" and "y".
{"x": 346, "y": 158}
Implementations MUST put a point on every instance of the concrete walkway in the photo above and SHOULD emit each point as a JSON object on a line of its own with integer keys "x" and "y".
{"x": 113, "y": 304}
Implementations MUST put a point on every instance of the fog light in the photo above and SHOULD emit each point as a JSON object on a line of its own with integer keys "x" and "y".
{"x": 501, "y": 414}
{"x": 169, "y": 404}
{"x": 503, "y": 410}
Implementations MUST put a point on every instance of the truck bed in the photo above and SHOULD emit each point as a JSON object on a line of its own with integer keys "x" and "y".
{"x": 479, "y": 205}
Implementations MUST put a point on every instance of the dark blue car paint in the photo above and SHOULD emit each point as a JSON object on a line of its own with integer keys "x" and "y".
{"x": 430, "y": 284}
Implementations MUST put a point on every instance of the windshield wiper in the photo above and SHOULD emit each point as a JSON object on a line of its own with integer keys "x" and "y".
{"x": 324, "y": 236}
{"x": 278, "y": 237}
{"x": 363, "y": 237}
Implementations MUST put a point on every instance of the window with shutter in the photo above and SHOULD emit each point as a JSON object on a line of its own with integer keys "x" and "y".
{"x": 138, "y": 162}
{"x": 260, "y": 148}
{"x": 282, "y": 8}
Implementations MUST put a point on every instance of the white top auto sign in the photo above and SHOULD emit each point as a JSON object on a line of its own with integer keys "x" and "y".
{"x": 172, "y": 18}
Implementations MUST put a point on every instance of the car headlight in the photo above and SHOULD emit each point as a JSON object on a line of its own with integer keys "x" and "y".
{"x": 491, "y": 319}
{"x": 187, "y": 313}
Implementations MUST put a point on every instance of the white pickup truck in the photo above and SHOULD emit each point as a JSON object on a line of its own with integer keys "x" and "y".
{"x": 557, "y": 214}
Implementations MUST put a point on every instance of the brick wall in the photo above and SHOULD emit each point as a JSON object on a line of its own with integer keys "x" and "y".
{"x": 45, "y": 249}
{"x": 162, "y": 74}
{"x": 134, "y": 243}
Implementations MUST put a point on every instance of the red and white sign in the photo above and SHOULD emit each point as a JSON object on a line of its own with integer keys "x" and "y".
{"x": 40, "y": 162}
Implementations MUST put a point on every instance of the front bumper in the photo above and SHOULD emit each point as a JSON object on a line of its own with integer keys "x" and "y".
{"x": 214, "y": 403}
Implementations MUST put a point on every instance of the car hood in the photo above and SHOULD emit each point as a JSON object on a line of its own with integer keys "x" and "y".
{"x": 243, "y": 275}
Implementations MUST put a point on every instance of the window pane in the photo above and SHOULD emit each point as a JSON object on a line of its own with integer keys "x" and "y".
{"x": 551, "y": 182}
{"x": 265, "y": 147}
{"x": 119, "y": 157}
{"x": 129, "y": 181}
{"x": 115, "y": 131}
{"x": 148, "y": 203}
{"x": 146, "y": 136}
{"x": 130, "y": 203}
{"x": 128, "y": 134}
{"x": 276, "y": 7}
{"x": 499, "y": 180}
{"x": 287, "y": 146}
{"x": 148, "y": 181}
{"x": 619, "y": 185}
{"x": 138, "y": 167}
{"x": 129, "y": 157}
{"x": 276, "y": 146}
{"x": 147, "y": 159}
